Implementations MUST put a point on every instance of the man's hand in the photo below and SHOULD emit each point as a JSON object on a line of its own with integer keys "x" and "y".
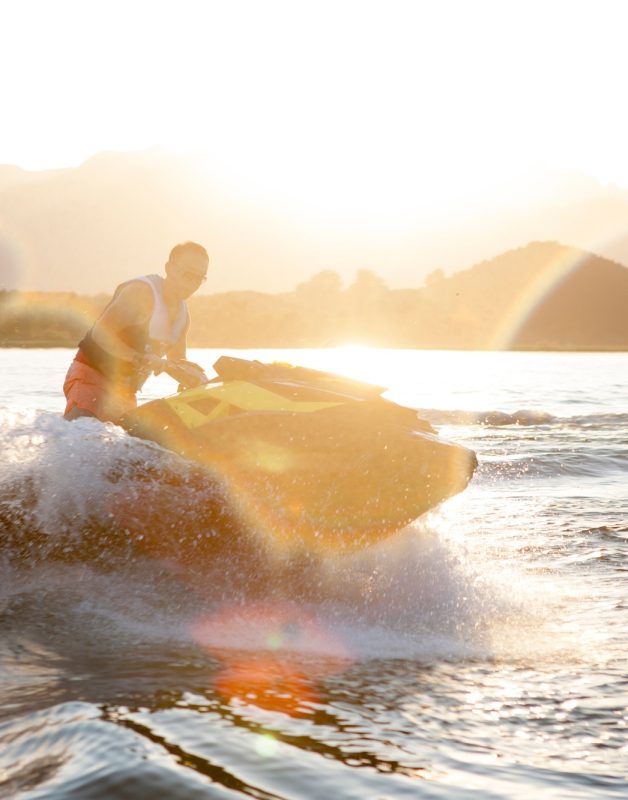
{"x": 187, "y": 373}
{"x": 153, "y": 363}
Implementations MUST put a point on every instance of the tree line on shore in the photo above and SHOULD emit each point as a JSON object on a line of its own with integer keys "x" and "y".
{"x": 469, "y": 310}
{"x": 318, "y": 313}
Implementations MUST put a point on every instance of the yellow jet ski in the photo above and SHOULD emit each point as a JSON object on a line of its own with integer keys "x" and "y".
{"x": 316, "y": 459}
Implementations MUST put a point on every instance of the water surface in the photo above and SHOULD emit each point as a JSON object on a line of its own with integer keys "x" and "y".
{"x": 479, "y": 653}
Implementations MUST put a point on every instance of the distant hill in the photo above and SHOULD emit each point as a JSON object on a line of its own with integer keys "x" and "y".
{"x": 541, "y": 296}
{"x": 88, "y": 228}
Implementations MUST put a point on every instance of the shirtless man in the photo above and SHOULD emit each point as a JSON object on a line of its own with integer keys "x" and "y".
{"x": 143, "y": 328}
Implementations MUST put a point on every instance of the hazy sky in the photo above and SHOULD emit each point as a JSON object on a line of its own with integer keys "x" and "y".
{"x": 361, "y": 108}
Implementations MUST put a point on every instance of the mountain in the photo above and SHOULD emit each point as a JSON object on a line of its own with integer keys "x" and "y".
{"x": 88, "y": 228}
{"x": 542, "y": 296}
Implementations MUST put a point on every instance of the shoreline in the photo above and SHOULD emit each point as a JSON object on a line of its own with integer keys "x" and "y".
{"x": 47, "y": 345}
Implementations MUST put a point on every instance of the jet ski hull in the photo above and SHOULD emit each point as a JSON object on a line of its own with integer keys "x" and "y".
{"x": 320, "y": 461}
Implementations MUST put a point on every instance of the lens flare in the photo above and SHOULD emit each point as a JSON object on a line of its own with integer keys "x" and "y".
{"x": 266, "y": 745}
{"x": 44, "y": 319}
{"x": 266, "y": 683}
{"x": 539, "y": 286}
{"x": 11, "y": 265}
{"x": 262, "y": 649}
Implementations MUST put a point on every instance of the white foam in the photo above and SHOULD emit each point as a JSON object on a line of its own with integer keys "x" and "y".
{"x": 426, "y": 593}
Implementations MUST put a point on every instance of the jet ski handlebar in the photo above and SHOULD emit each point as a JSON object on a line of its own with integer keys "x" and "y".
{"x": 187, "y": 373}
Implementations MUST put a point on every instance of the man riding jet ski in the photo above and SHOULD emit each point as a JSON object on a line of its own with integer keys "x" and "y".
{"x": 311, "y": 457}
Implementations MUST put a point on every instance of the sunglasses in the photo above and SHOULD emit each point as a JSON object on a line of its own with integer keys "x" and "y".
{"x": 190, "y": 274}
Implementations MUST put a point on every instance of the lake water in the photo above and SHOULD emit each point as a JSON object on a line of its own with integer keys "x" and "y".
{"x": 481, "y": 653}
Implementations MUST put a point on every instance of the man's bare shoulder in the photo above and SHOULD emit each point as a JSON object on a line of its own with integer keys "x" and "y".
{"x": 136, "y": 292}
{"x": 133, "y": 303}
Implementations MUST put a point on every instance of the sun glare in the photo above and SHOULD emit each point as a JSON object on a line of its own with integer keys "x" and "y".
{"x": 339, "y": 183}
{"x": 361, "y": 129}
{"x": 354, "y": 360}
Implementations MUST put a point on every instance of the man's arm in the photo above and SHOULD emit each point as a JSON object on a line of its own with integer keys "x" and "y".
{"x": 186, "y": 372}
{"x": 179, "y": 350}
{"x": 132, "y": 306}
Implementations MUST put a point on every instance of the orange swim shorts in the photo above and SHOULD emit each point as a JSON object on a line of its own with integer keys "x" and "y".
{"x": 87, "y": 389}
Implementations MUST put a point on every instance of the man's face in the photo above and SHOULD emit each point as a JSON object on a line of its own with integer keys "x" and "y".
{"x": 186, "y": 273}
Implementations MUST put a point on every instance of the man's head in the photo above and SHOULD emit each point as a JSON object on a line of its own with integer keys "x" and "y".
{"x": 186, "y": 268}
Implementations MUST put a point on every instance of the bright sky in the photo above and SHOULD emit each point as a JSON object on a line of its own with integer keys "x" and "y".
{"x": 372, "y": 108}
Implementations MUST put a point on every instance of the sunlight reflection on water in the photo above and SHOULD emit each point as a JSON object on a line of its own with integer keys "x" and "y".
{"x": 565, "y": 384}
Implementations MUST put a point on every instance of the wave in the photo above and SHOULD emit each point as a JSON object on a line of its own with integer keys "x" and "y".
{"x": 418, "y": 598}
{"x": 88, "y": 492}
{"x": 522, "y": 417}
{"x": 613, "y": 533}
{"x": 604, "y": 467}
{"x": 493, "y": 418}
